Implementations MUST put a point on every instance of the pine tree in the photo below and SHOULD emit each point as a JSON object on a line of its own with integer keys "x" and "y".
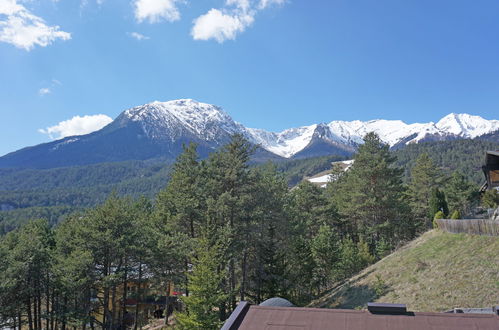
{"x": 308, "y": 210}
{"x": 460, "y": 193}
{"x": 268, "y": 230}
{"x": 206, "y": 286}
{"x": 325, "y": 251}
{"x": 424, "y": 178}
{"x": 24, "y": 282}
{"x": 370, "y": 195}
{"x": 180, "y": 204}
{"x": 438, "y": 203}
{"x": 229, "y": 189}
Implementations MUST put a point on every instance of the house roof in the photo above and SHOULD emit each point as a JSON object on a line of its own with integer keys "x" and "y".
{"x": 280, "y": 318}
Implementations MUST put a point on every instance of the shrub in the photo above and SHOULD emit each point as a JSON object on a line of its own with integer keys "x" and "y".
{"x": 383, "y": 248}
{"x": 438, "y": 215}
{"x": 379, "y": 286}
{"x": 490, "y": 199}
{"x": 455, "y": 215}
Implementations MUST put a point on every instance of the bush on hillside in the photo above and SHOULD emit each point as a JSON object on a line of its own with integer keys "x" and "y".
{"x": 490, "y": 199}
{"x": 438, "y": 215}
{"x": 455, "y": 215}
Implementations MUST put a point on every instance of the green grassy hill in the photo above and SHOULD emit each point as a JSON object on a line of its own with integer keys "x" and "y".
{"x": 436, "y": 272}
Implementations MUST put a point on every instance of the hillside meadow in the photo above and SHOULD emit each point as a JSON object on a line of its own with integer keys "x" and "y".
{"x": 436, "y": 272}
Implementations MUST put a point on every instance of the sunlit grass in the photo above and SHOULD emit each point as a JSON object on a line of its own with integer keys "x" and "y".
{"x": 436, "y": 272}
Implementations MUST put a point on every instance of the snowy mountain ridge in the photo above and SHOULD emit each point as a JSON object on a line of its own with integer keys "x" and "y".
{"x": 170, "y": 120}
{"x": 161, "y": 129}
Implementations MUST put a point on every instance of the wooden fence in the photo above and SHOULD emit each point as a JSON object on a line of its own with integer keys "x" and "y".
{"x": 471, "y": 226}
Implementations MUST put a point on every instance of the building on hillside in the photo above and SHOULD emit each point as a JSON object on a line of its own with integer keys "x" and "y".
{"x": 491, "y": 170}
{"x": 143, "y": 302}
{"x": 379, "y": 316}
{"x": 323, "y": 178}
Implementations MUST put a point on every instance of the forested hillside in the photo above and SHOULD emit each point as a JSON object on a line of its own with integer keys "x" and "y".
{"x": 467, "y": 156}
{"x": 54, "y": 193}
{"x": 221, "y": 231}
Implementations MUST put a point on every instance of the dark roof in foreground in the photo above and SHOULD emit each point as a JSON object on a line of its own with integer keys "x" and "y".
{"x": 295, "y": 318}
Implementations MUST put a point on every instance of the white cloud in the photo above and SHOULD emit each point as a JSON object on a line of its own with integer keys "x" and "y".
{"x": 77, "y": 126}
{"x": 224, "y": 24}
{"x": 138, "y": 36}
{"x": 241, "y": 4}
{"x": 156, "y": 11}
{"x": 219, "y": 26}
{"x": 19, "y": 27}
{"x": 44, "y": 91}
{"x": 265, "y": 3}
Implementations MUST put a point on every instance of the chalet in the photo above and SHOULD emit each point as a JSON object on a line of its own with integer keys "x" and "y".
{"x": 491, "y": 170}
{"x": 378, "y": 316}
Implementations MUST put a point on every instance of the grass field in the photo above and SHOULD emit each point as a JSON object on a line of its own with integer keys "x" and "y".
{"x": 436, "y": 272}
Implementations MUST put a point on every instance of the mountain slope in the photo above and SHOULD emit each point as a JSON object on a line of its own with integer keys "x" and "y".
{"x": 436, "y": 272}
{"x": 154, "y": 130}
{"x": 159, "y": 129}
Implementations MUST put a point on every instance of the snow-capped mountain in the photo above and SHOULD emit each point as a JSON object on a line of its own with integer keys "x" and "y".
{"x": 159, "y": 129}
{"x": 173, "y": 120}
{"x": 393, "y": 132}
{"x": 153, "y": 130}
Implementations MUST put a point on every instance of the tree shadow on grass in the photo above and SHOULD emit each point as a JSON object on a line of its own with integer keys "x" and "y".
{"x": 357, "y": 296}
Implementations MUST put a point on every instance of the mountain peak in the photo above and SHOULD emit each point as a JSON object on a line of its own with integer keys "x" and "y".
{"x": 466, "y": 125}
{"x": 171, "y": 119}
{"x": 180, "y": 107}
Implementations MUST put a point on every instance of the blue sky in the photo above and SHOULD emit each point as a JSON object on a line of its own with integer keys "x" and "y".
{"x": 271, "y": 64}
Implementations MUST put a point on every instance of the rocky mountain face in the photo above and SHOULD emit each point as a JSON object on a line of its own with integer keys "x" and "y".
{"x": 159, "y": 129}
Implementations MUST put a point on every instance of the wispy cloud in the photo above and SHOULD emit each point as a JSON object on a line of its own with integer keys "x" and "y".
{"x": 76, "y": 126}
{"x": 265, "y": 3}
{"x": 155, "y": 11}
{"x": 226, "y": 23}
{"x": 138, "y": 36}
{"x": 21, "y": 28}
{"x": 44, "y": 91}
{"x": 54, "y": 83}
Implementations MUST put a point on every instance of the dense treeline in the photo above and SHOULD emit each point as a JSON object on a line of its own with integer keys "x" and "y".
{"x": 10, "y": 220}
{"x": 221, "y": 231}
{"x": 44, "y": 193}
{"x": 465, "y": 156}
{"x": 78, "y": 176}
{"x": 54, "y": 193}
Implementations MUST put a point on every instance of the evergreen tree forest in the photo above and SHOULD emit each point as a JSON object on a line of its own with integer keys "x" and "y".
{"x": 221, "y": 231}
